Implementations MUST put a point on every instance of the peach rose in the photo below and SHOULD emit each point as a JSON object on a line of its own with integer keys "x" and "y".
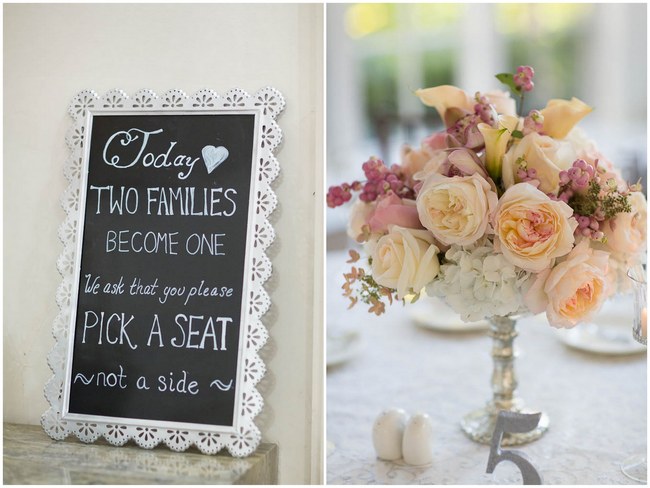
{"x": 456, "y": 210}
{"x": 626, "y": 232}
{"x": 423, "y": 160}
{"x": 393, "y": 210}
{"x": 532, "y": 229}
{"x": 561, "y": 115}
{"x": 547, "y": 156}
{"x": 573, "y": 290}
{"x": 404, "y": 259}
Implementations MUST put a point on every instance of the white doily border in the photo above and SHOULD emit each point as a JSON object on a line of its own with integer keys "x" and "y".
{"x": 269, "y": 103}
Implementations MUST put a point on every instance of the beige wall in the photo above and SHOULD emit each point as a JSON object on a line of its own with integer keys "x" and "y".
{"x": 53, "y": 51}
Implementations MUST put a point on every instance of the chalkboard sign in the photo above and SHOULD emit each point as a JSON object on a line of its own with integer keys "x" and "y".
{"x": 164, "y": 269}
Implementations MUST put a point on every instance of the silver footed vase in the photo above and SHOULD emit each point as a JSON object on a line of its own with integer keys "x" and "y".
{"x": 479, "y": 424}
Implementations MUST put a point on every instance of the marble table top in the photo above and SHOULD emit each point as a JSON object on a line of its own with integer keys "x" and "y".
{"x": 31, "y": 457}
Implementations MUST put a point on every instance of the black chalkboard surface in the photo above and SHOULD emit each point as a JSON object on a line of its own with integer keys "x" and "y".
{"x": 164, "y": 235}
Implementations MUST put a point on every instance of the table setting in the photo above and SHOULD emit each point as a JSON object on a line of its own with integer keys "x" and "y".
{"x": 493, "y": 307}
{"x": 596, "y": 403}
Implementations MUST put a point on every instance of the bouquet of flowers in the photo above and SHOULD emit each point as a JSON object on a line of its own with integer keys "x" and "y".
{"x": 499, "y": 214}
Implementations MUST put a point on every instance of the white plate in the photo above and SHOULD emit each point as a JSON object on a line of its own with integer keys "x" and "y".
{"x": 600, "y": 339}
{"x": 434, "y": 314}
{"x": 609, "y": 333}
{"x": 342, "y": 348}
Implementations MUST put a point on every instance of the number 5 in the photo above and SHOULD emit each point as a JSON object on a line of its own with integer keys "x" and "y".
{"x": 516, "y": 423}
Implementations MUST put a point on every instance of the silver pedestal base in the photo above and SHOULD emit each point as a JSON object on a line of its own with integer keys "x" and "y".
{"x": 479, "y": 426}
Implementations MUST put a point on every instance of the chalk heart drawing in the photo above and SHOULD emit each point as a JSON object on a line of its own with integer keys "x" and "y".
{"x": 213, "y": 156}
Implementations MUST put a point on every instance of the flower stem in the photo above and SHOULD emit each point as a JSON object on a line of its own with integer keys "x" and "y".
{"x": 521, "y": 104}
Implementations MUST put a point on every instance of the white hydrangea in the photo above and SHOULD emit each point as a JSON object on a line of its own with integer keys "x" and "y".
{"x": 479, "y": 283}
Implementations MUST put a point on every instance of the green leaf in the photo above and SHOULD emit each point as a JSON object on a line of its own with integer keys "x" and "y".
{"x": 508, "y": 79}
{"x": 517, "y": 134}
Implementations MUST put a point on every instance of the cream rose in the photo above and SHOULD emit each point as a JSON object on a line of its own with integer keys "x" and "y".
{"x": 456, "y": 210}
{"x": 546, "y": 155}
{"x": 404, "y": 259}
{"x": 626, "y": 233}
{"x": 573, "y": 290}
{"x": 358, "y": 227}
{"x": 531, "y": 228}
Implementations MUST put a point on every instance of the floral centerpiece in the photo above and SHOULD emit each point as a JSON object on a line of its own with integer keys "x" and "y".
{"x": 499, "y": 214}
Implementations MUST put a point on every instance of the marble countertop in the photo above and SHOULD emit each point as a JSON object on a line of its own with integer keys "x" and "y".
{"x": 31, "y": 457}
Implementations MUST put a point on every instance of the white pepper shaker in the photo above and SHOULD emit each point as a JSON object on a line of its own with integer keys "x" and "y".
{"x": 387, "y": 433}
{"x": 417, "y": 448}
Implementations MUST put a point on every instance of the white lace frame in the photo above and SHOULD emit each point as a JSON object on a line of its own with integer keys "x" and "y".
{"x": 268, "y": 103}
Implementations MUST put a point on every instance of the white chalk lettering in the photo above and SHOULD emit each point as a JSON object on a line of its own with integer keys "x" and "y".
{"x": 189, "y": 327}
{"x": 92, "y": 321}
{"x": 209, "y": 202}
{"x": 150, "y": 242}
{"x": 178, "y": 386}
{"x": 162, "y": 160}
{"x": 141, "y": 384}
{"x": 102, "y": 378}
{"x": 155, "y": 330}
{"x": 91, "y": 287}
{"x": 204, "y": 244}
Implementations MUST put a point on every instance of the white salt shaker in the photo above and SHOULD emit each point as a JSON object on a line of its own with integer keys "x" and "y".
{"x": 417, "y": 440}
{"x": 387, "y": 433}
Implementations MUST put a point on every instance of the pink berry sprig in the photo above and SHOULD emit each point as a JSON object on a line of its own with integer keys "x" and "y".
{"x": 533, "y": 122}
{"x": 576, "y": 180}
{"x": 380, "y": 180}
{"x": 528, "y": 175}
{"x": 578, "y": 176}
{"x": 592, "y": 198}
{"x": 588, "y": 226}
{"x": 519, "y": 83}
{"x": 339, "y": 194}
{"x": 485, "y": 110}
{"x": 523, "y": 78}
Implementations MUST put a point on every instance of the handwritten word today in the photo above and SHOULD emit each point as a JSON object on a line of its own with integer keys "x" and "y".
{"x": 186, "y": 201}
{"x": 188, "y": 332}
{"x": 137, "y": 140}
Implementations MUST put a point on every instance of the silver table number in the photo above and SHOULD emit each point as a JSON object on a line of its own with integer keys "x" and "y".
{"x": 514, "y": 422}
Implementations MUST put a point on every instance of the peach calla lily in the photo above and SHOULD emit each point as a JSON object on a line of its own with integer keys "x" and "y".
{"x": 444, "y": 97}
{"x": 561, "y": 115}
{"x": 496, "y": 142}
